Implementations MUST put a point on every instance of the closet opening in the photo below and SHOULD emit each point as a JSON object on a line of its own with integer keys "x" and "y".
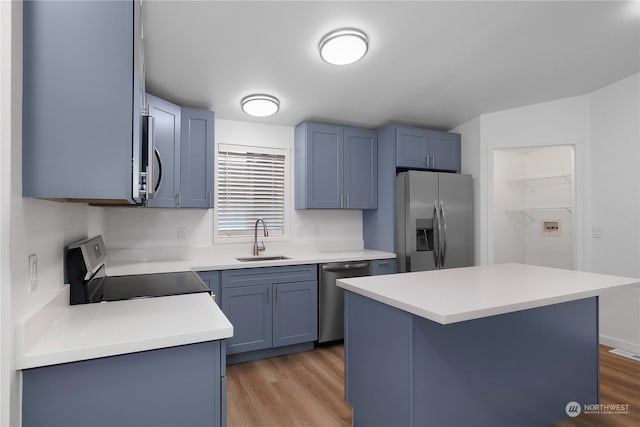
{"x": 534, "y": 206}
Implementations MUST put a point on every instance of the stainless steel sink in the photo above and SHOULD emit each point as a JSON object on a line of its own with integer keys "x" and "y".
{"x": 262, "y": 258}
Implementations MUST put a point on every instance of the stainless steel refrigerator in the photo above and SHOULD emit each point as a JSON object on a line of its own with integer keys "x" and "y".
{"x": 434, "y": 220}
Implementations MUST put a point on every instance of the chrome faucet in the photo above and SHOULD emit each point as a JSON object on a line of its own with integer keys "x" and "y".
{"x": 259, "y": 248}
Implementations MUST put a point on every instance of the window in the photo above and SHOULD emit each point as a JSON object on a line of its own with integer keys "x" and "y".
{"x": 250, "y": 186}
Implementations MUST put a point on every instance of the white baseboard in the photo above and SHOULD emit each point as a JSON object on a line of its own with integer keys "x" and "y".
{"x": 616, "y": 343}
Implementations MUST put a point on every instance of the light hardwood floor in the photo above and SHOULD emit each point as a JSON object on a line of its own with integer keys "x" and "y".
{"x": 302, "y": 389}
{"x": 619, "y": 384}
{"x": 306, "y": 389}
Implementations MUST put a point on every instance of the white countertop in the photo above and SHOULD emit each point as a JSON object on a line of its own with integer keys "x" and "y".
{"x": 228, "y": 262}
{"x": 62, "y": 333}
{"x": 59, "y": 333}
{"x": 456, "y": 295}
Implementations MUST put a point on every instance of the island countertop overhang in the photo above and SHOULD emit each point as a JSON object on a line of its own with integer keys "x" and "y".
{"x": 461, "y": 294}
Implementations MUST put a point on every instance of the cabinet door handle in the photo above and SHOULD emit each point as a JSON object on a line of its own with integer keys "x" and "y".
{"x": 433, "y": 161}
{"x": 341, "y": 201}
{"x": 268, "y": 295}
{"x": 277, "y": 294}
{"x": 348, "y": 202}
{"x": 426, "y": 161}
{"x": 157, "y": 153}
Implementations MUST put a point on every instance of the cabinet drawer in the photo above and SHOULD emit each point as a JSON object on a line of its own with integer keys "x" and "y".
{"x": 383, "y": 266}
{"x": 267, "y": 275}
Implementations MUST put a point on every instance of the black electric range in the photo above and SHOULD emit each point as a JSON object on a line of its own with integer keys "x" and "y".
{"x": 89, "y": 284}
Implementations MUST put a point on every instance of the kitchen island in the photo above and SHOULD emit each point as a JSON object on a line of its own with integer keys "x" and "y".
{"x": 497, "y": 345}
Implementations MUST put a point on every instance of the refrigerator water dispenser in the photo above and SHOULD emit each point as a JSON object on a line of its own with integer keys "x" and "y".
{"x": 424, "y": 235}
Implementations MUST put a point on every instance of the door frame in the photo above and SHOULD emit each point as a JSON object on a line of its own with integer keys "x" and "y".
{"x": 580, "y": 248}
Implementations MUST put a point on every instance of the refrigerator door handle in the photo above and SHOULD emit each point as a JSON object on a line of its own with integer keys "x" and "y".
{"x": 443, "y": 245}
{"x": 436, "y": 249}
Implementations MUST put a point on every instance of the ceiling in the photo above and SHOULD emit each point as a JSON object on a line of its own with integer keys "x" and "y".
{"x": 437, "y": 64}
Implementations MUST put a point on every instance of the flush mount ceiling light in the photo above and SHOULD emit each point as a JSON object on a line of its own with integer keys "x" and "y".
{"x": 344, "y": 46}
{"x": 260, "y": 105}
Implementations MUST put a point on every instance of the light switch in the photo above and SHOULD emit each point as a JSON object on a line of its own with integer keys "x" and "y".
{"x": 182, "y": 233}
{"x": 32, "y": 273}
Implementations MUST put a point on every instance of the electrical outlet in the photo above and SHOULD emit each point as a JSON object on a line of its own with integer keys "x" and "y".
{"x": 182, "y": 233}
{"x": 596, "y": 232}
{"x": 32, "y": 273}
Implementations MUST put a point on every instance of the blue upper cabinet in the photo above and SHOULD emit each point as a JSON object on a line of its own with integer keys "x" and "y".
{"x": 318, "y": 166}
{"x": 418, "y": 148}
{"x": 444, "y": 147}
{"x": 335, "y": 167}
{"x": 412, "y": 147}
{"x": 166, "y": 141}
{"x": 196, "y": 159}
{"x": 183, "y": 155}
{"x": 360, "y": 168}
{"x": 82, "y": 99}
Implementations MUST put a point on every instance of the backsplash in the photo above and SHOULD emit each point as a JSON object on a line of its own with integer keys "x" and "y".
{"x": 133, "y": 228}
{"x": 44, "y": 228}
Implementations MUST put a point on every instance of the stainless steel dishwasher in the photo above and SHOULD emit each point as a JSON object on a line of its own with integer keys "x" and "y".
{"x": 331, "y": 297}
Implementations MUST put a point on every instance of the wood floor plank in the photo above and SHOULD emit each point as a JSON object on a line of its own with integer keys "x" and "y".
{"x": 302, "y": 389}
{"x": 619, "y": 384}
{"x": 307, "y": 389}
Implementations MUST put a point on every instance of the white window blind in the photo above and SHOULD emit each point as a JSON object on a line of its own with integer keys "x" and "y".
{"x": 250, "y": 186}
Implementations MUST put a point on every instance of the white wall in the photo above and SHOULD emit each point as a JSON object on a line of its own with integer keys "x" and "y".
{"x": 561, "y": 122}
{"x": 604, "y": 128}
{"x": 157, "y": 228}
{"x": 509, "y": 238}
{"x": 615, "y": 203}
{"x": 7, "y": 375}
{"x": 473, "y": 159}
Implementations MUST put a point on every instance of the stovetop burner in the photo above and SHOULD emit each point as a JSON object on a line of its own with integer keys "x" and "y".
{"x": 89, "y": 284}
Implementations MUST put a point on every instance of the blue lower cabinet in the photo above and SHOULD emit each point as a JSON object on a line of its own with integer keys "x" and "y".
{"x": 175, "y": 386}
{"x": 212, "y": 280}
{"x": 249, "y": 309}
{"x": 265, "y": 316}
{"x": 402, "y": 369}
{"x": 295, "y": 317}
{"x": 270, "y": 308}
{"x": 383, "y": 266}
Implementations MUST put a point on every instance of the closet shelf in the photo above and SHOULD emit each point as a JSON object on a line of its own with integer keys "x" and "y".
{"x": 526, "y": 210}
{"x": 540, "y": 208}
{"x": 566, "y": 175}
